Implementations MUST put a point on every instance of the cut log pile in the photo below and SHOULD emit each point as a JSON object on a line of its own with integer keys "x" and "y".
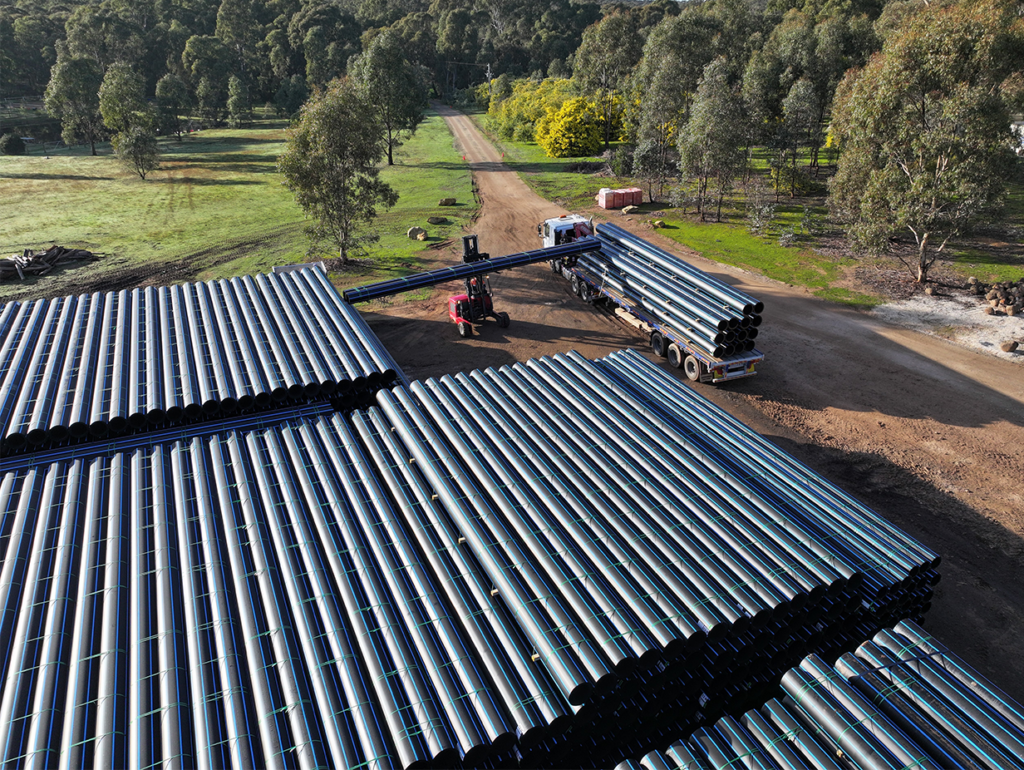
{"x": 41, "y": 262}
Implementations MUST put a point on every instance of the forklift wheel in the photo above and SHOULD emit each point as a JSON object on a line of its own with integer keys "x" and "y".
{"x": 503, "y": 320}
{"x": 465, "y": 330}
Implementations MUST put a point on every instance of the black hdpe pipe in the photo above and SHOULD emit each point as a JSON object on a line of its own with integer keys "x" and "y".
{"x": 592, "y": 609}
{"x": 822, "y": 713}
{"x": 925, "y": 700}
{"x": 631, "y": 300}
{"x": 530, "y": 697}
{"x": 655, "y": 302}
{"x": 812, "y": 557}
{"x": 518, "y": 423}
{"x": 556, "y": 517}
{"x": 461, "y": 272}
{"x": 571, "y": 660}
{"x": 333, "y": 446}
{"x": 697, "y": 534}
{"x": 824, "y": 499}
{"x": 707, "y": 601}
{"x": 698, "y": 474}
{"x": 901, "y": 712}
{"x": 869, "y": 717}
{"x": 639, "y": 278}
{"x": 640, "y": 274}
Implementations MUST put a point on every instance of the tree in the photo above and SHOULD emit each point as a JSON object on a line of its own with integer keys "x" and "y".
{"x": 573, "y": 131}
{"x": 239, "y": 106}
{"x": 396, "y": 91}
{"x": 608, "y": 53}
{"x": 710, "y": 146}
{"x": 237, "y": 30}
{"x": 73, "y": 96}
{"x": 291, "y": 95}
{"x": 924, "y": 131}
{"x": 172, "y": 99}
{"x": 122, "y": 98}
{"x": 11, "y": 144}
{"x": 330, "y": 164}
{"x": 136, "y": 148}
{"x": 651, "y": 165}
{"x": 802, "y": 111}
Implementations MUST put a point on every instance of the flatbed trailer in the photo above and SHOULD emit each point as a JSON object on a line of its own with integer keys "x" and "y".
{"x": 665, "y": 341}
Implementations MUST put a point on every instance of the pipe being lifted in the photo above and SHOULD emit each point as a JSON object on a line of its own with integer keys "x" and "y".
{"x": 461, "y": 272}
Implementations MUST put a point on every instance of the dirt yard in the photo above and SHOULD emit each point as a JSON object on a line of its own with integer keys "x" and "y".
{"x": 929, "y": 434}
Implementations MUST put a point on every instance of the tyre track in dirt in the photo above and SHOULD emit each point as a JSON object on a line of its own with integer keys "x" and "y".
{"x": 928, "y": 434}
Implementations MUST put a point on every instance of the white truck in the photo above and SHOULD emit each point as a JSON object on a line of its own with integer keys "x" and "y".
{"x": 666, "y": 341}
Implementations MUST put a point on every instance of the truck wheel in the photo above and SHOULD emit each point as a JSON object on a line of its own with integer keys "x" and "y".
{"x": 675, "y": 355}
{"x": 575, "y": 284}
{"x": 658, "y": 345}
{"x": 691, "y": 368}
{"x": 554, "y": 266}
{"x": 585, "y": 292}
{"x": 465, "y": 330}
{"x": 503, "y": 320}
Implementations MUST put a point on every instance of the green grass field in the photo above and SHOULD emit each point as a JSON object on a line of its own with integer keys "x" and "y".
{"x": 216, "y": 205}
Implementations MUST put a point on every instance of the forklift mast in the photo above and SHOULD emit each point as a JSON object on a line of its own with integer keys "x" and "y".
{"x": 471, "y": 250}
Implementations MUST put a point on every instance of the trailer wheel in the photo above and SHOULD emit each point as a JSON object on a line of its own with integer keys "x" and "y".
{"x": 574, "y": 282}
{"x": 503, "y": 320}
{"x": 675, "y": 355}
{"x": 658, "y": 345}
{"x": 465, "y": 330}
{"x": 691, "y": 367}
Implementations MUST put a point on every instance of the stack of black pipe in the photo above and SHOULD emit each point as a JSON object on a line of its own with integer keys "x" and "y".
{"x": 662, "y": 578}
{"x": 902, "y": 700}
{"x": 708, "y": 313}
{"x": 104, "y": 365}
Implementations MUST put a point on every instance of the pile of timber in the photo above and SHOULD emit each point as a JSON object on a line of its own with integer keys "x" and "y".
{"x": 41, "y": 262}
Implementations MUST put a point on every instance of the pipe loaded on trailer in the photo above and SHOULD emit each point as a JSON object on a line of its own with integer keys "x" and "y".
{"x": 703, "y": 325}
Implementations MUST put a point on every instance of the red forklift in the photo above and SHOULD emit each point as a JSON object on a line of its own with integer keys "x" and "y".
{"x": 477, "y": 304}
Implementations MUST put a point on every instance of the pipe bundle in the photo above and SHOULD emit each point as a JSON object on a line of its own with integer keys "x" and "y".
{"x": 254, "y": 598}
{"x": 901, "y": 700}
{"x": 708, "y": 313}
{"x": 530, "y": 566}
{"x": 102, "y": 365}
{"x": 660, "y": 584}
{"x": 461, "y": 272}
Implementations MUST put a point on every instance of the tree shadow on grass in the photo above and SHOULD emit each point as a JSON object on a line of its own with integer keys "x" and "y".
{"x": 58, "y": 177}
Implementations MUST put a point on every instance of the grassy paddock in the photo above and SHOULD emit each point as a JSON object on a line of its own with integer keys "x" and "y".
{"x": 733, "y": 245}
{"x": 217, "y": 206}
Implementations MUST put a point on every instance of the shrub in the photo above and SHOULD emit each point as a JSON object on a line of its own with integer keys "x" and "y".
{"x": 516, "y": 115}
{"x": 10, "y": 144}
{"x": 622, "y": 161}
{"x": 571, "y": 132}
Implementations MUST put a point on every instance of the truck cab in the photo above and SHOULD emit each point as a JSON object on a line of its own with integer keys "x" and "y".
{"x": 564, "y": 229}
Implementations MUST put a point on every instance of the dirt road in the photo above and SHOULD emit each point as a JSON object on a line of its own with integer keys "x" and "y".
{"x": 928, "y": 434}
